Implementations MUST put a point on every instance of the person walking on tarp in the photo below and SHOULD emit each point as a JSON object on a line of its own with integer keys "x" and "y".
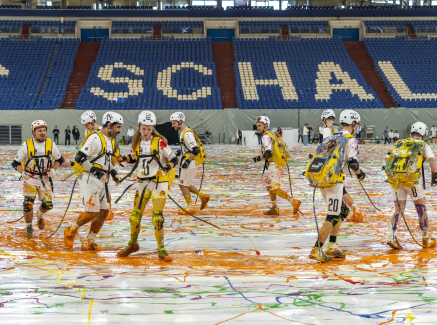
{"x": 37, "y": 161}
{"x": 276, "y": 156}
{"x": 155, "y": 171}
{"x": 406, "y": 180}
{"x": 193, "y": 155}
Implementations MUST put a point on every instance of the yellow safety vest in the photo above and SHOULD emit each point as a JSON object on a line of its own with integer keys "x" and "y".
{"x": 31, "y": 155}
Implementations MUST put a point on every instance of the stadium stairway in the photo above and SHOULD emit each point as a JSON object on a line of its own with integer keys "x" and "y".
{"x": 358, "y": 53}
{"x": 410, "y": 31}
{"x": 285, "y": 32}
{"x": 223, "y": 56}
{"x": 85, "y": 57}
{"x": 157, "y": 32}
{"x": 25, "y": 32}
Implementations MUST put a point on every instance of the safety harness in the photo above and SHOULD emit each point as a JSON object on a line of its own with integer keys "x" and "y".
{"x": 38, "y": 163}
{"x": 78, "y": 169}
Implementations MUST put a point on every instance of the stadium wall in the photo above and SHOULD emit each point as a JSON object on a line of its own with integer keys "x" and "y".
{"x": 332, "y": 13}
{"x": 224, "y": 123}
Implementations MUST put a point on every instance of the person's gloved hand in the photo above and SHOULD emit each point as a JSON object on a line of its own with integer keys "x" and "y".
{"x": 115, "y": 177}
{"x": 256, "y": 159}
{"x": 166, "y": 169}
{"x": 51, "y": 173}
{"x": 361, "y": 175}
{"x": 185, "y": 164}
{"x": 434, "y": 179}
{"x": 353, "y": 164}
{"x": 99, "y": 174}
{"x": 178, "y": 153}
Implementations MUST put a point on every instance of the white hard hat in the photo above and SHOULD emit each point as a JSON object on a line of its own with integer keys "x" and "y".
{"x": 263, "y": 119}
{"x": 147, "y": 118}
{"x": 420, "y": 128}
{"x": 348, "y": 116}
{"x": 178, "y": 116}
{"x": 88, "y": 117}
{"x": 38, "y": 123}
{"x": 112, "y": 117}
{"x": 328, "y": 113}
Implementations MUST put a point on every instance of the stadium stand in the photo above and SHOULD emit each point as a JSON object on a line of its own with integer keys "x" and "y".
{"x": 273, "y": 26}
{"x": 191, "y": 7}
{"x": 10, "y": 7}
{"x": 300, "y": 73}
{"x": 146, "y": 74}
{"x": 129, "y": 7}
{"x": 310, "y": 7}
{"x": 79, "y": 7}
{"x": 249, "y": 8}
{"x": 38, "y": 26}
{"x": 146, "y": 27}
{"x": 48, "y": 7}
{"x": 25, "y": 70}
{"x": 55, "y": 85}
{"x": 407, "y": 68}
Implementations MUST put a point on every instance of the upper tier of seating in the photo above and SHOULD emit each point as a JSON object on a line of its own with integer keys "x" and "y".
{"x": 249, "y": 8}
{"x": 79, "y": 7}
{"x": 25, "y": 81}
{"x": 333, "y": 7}
{"x": 400, "y": 26}
{"x": 48, "y": 7}
{"x": 129, "y": 7}
{"x": 273, "y": 26}
{"x": 407, "y": 68}
{"x": 305, "y": 73}
{"x": 146, "y": 74}
{"x": 190, "y": 7}
{"x": 146, "y": 27}
{"x": 10, "y": 7}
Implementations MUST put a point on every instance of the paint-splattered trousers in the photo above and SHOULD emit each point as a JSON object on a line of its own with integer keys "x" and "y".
{"x": 93, "y": 192}
{"x": 147, "y": 190}
{"x": 44, "y": 193}
{"x": 273, "y": 176}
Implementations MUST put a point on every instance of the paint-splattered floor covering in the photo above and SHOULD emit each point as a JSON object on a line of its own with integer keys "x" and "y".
{"x": 216, "y": 276}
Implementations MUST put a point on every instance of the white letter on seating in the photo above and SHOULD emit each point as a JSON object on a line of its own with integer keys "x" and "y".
{"x": 325, "y": 88}
{"x": 399, "y": 85}
{"x": 283, "y": 79}
{"x": 163, "y": 81}
{"x": 3, "y": 71}
{"x": 135, "y": 86}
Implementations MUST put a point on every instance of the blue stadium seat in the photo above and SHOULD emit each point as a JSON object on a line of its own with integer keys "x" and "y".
{"x": 407, "y": 68}
{"x": 279, "y": 74}
{"x": 25, "y": 64}
{"x": 145, "y": 74}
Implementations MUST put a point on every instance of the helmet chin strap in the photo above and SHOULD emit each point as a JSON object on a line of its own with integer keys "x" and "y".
{"x": 179, "y": 125}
